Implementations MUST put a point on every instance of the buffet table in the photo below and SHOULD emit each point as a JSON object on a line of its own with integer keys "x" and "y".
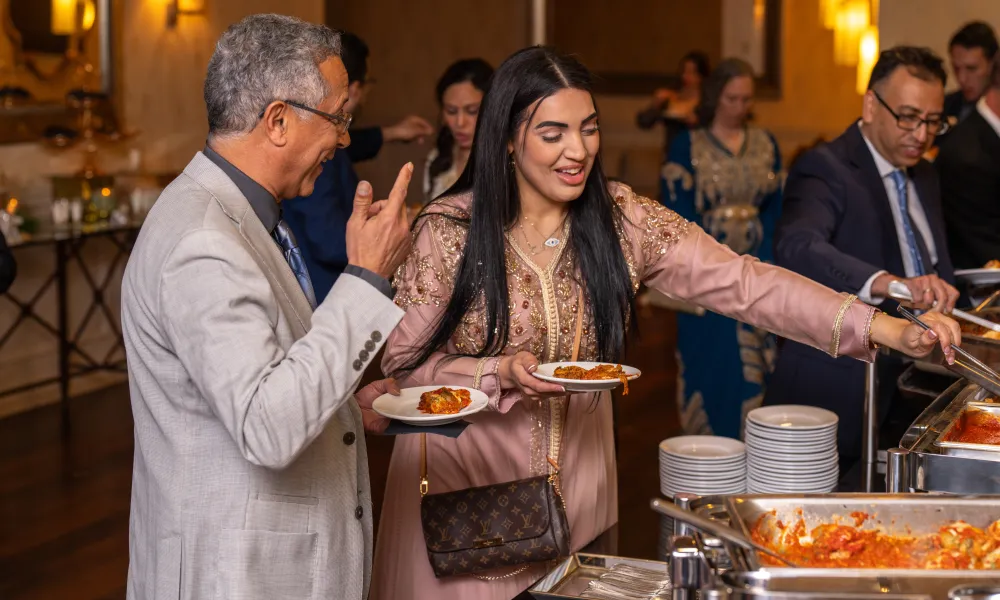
{"x": 73, "y": 359}
{"x": 930, "y": 474}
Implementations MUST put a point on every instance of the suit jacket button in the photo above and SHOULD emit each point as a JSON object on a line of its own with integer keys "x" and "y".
{"x": 376, "y": 337}
{"x": 357, "y": 365}
{"x": 358, "y": 513}
{"x": 370, "y": 346}
{"x": 349, "y": 438}
{"x": 363, "y": 355}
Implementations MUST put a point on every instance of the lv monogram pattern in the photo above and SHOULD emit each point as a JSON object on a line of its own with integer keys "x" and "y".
{"x": 484, "y": 528}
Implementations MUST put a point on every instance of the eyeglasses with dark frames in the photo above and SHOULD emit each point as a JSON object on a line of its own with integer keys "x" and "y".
{"x": 341, "y": 120}
{"x": 935, "y": 125}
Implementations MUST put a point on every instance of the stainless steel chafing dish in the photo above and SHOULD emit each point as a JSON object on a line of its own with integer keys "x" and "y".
{"x": 925, "y": 463}
{"x": 696, "y": 573}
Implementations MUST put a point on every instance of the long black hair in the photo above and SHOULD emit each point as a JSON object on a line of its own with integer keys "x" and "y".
{"x": 518, "y": 87}
{"x": 473, "y": 70}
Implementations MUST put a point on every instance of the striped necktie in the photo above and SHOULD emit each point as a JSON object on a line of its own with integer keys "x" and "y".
{"x": 899, "y": 178}
{"x": 293, "y": 255}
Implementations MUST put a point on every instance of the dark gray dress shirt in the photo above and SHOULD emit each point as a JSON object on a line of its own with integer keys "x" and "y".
{"x": 268, "y": 211}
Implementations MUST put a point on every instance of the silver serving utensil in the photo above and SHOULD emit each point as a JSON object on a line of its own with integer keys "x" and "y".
{"x": 968, "y": 366}
{"x": 714, "y": 528}
{"x": 971, "y": 318}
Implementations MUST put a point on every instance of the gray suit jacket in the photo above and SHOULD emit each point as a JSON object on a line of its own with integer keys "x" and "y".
{"x": 250, "y": 478}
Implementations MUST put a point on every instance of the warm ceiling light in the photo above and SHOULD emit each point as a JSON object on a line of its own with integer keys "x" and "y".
{"x": 828, "y": 13}
{"x": 72, "y": 16}
{"x": 175, "y": 8}
{"x": 853, "y": 18}
{"x": 867, "y": 55}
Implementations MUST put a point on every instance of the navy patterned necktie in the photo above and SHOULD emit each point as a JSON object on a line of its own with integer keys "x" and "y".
{"x": 286, "y": 239}
{"x": 899, "y": 178}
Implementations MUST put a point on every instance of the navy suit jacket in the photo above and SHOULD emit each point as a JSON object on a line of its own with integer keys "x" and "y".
{"x": 837, "y": 228}
{"x": 319, "y": 220}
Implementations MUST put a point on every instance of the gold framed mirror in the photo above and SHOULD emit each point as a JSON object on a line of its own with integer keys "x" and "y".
{"x": 51, "y": 51}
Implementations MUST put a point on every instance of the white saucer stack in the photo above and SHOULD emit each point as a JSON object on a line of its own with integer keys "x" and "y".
{"x": 791, "y": 449}
{"x": 702, "y": 465}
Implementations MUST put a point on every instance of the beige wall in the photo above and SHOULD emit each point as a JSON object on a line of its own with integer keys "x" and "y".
{"x": 161, "y": 74}
{"x": 411, "y": 44}
{"x": 818, "y": 98}
{"x": 932, "y": 22}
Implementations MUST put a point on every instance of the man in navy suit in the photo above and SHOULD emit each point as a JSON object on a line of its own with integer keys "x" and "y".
{"x": 972, "y": 50}
{"x": 861, "y": 212}
{"x": 319, "y": 221}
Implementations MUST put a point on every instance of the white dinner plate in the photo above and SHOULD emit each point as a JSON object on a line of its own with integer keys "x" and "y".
{"x": 546, "y": 372}
{"x": 790, "y": 434}
{"x": 404, "y": 406}
{"x": 978, "y": 276}
{"x": 793, "y": 417}
{"x": 703, "y": 448}
{"x": 762, "y": 448}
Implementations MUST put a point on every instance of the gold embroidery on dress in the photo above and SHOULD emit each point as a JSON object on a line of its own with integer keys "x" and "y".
{"x": 728, "y": 189}
{"x": 543, "y": 304}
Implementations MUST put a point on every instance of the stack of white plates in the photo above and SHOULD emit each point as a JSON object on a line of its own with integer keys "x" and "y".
{"x": 791, "y": 450}
{"x": 702, "y": 465}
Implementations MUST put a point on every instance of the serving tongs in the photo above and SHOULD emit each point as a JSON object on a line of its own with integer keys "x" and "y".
{"x": 965, "y": 365}
{"x": 714, "y": 528}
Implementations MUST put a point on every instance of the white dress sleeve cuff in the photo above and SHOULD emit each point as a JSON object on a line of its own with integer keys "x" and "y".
{"x": 865, "y": 293}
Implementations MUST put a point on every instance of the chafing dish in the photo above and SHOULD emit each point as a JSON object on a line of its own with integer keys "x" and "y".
{"x": 896, "y": 513}
{"x": 694, "y": 573}
{"x": 924, "y": 463}
{"x": 983, "y": 451}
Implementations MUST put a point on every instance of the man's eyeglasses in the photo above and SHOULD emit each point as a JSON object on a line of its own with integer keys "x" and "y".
{"x": 341, "y": 120}
{"x": 935, "y": 125}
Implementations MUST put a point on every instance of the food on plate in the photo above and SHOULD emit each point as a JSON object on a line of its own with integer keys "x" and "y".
{"x": 444, "y": 401}
{"x": 993, "y": 264}
{"x": 975, "y": 427}
{"x": 600, "y": 372}
{"x": 956, "y": 545}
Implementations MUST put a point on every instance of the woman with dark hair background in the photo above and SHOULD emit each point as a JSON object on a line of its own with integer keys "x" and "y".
{"x": 675, "y": 108}
{"x": 726, "y": 177}
{"x": 459, "y": 94}
{"x": 532, "y": 245}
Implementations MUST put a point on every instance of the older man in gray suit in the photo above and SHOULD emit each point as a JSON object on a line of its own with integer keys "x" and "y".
{"x": 250, "y": 478}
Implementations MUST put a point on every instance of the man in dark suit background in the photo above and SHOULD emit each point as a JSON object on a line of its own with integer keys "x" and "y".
{"x": 861, "y": 212}
{"x": 8, "y": 268}
{"x": 972, "y": 50}
{"x": 969, "y": 165}
{"x": 319, "y": 221}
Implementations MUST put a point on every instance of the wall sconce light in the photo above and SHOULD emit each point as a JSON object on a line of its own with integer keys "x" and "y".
{"x": 72, "y": 16}
{"x": 176, "y": 8}
{"x": 867, "y": 56}
{"x": 853, "y": 19}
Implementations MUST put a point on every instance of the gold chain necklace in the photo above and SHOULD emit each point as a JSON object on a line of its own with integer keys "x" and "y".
{"x": 551, "y": 241}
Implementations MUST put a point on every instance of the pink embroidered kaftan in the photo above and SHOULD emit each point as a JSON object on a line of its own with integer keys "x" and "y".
{"x": 509, "y": 440}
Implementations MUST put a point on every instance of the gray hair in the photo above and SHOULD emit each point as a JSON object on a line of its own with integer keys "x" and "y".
{"x": 261, "y": 59}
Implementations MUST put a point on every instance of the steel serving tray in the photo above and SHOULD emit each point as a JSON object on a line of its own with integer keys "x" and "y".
{"x": 573, "y": 575}
{"x": 966, "y": 450}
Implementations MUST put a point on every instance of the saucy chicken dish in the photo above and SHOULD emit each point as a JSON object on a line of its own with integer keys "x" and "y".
{"x": 444, "y": 401}
{"x": 956, "y": 545}
{"x": 975, "y": 427}
{"x": 600, "y": 372}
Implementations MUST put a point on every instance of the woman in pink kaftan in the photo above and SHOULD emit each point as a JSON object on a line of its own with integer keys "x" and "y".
{"x": 538, "y": 132}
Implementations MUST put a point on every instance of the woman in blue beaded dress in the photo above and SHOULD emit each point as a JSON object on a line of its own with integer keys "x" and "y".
{"x": 726, "y": 177}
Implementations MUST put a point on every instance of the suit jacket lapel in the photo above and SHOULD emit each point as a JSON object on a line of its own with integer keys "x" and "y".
{"x": 929, "y": 202}
{"x": 867, "y": 173}
{"x": 266, "y": 251}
